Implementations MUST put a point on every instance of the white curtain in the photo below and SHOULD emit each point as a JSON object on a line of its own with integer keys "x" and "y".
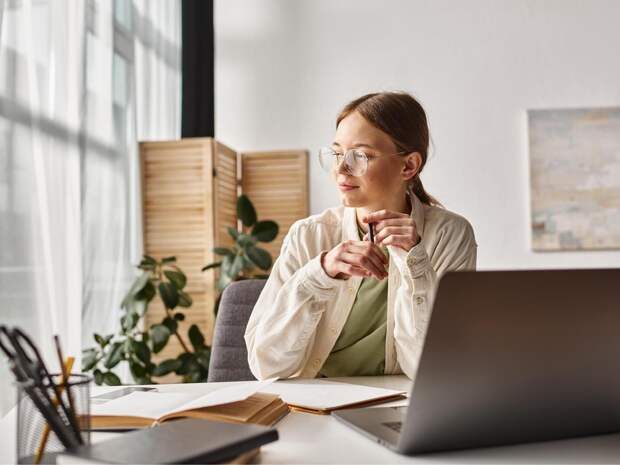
{"x": 81, "y": 81}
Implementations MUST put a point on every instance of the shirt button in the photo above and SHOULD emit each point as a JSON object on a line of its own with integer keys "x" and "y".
{"x": 419, "y": 300}
{"x": 334, "y": 330}
{"x": 350, "y": 289}
{"x": 317, "y": 362}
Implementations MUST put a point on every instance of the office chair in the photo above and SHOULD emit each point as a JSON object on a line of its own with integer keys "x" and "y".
{"x": 229, "y": 355}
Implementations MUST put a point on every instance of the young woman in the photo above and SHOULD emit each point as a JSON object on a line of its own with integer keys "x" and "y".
{"x": 337, "y": 304}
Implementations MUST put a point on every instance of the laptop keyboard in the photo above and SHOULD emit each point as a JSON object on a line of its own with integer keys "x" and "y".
{"x": 394, "y": 425}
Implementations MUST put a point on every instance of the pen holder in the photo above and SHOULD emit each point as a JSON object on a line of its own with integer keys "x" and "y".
{"x": 36, "y": 442}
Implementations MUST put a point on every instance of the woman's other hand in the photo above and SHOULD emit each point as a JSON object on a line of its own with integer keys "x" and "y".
{"x": 393, "y": 228}
{"x": 355, "y": 258}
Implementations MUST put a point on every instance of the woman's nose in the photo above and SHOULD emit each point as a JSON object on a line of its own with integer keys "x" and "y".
{"x": 341, "y": 167}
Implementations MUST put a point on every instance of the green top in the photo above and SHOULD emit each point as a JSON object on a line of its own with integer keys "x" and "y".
{"x": 360, "y": 348}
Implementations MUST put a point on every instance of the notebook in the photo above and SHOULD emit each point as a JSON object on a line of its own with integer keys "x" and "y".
{"x": 240, "y": 403}
{"x": 322, "y": 397}
{"x": 183, "y": 441}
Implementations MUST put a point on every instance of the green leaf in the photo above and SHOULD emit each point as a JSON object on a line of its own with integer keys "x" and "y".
{"x": 233, "y": 232}
{"x": 188, "y": 363}
{"x": 203, "y": 358}
{"x": 185, "y": 300}
{"x": 170, "y": 323}
{"x": 246, "y": 240}
{"x": 148, "y": 263}
{"x": 177, "y": 278}
{"x": 136, "y": 306}
{"x": 114, "y": 356}
{"x": 169, "y": 295}
{"x": 196, "y": 337}
{"x": 136, "y": 287}
{"x": 159, "y": 337}
{"x": 261, "y": 257}
{"x": 138, "y": 370}
{"x": 167, "y": 366}
{"x": 223, "y": 251}
{"x": 147, "y": 293}
{"x": 211, "y": 265}
{"x": 111, "y": 379}
{"x": 179, "y": 316}
{"x": 194, "y": 377}
{"x": 89, "y": 359}
{"x": 129, "y": 321}
{"x": 98, "y": 377}
{"x": 265, "y": 231}
{"x": 168, "y": 260}
{"x": 142, "y": 351}
{"x": 246, "y": 211}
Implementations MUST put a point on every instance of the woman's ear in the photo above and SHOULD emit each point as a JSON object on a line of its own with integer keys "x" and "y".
{"x": 413, "y": 163}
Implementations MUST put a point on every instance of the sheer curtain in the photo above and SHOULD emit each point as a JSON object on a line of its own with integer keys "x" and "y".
{"x": 80, "y": 83}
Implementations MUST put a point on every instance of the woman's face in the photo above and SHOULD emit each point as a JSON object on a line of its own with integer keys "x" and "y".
{"x": 386, "y": 176}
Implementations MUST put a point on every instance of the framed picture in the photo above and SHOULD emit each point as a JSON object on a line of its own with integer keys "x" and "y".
{"x": 575, "y": 178}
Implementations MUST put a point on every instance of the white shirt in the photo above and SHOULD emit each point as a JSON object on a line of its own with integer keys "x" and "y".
{"x": 302, "y": 310}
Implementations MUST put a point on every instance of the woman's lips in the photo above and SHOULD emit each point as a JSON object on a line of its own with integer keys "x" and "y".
{"x": 346, "y": 187}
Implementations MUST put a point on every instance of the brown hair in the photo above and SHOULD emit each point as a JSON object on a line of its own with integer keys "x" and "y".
{"x": 403, "y": 119}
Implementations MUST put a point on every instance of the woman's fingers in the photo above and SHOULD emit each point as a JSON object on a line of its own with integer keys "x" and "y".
{"x": 403, "y": 241}
{"x": 380, "y": 215}
{"x": 365, "y": 262}
{"x": 349, "y": 269}
{"x": 393, "y": 222}
{"x": 394, "y": 230}
{"x": 371, "y": 250}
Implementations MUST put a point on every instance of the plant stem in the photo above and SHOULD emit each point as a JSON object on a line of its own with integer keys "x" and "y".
{"x": 176, "y": 332}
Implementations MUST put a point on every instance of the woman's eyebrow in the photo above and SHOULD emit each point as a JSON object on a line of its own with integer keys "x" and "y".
{"x": 357, "y": 145}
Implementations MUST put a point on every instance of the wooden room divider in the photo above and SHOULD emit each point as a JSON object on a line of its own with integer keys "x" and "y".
{"x": 189, "y": 194}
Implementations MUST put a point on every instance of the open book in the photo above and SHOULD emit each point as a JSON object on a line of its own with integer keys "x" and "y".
{"x": 240, "y": 403}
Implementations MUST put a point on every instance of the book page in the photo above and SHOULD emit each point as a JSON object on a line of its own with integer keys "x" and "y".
{"x": 146, "y": 404}
{"x": 225, "y": 395}
{"x": 325, "y": 395}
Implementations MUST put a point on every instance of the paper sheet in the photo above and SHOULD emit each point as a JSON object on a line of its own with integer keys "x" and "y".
{"x": 325, "y": 395}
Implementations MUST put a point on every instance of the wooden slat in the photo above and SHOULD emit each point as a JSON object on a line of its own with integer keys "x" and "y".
{"x": 277, "y": 184}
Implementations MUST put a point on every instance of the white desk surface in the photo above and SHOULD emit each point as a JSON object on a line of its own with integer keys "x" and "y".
{"x": 307, "y": 438}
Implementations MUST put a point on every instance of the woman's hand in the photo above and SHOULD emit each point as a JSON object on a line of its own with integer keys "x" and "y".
{"x": 355, "y": 258}
{"x": 393, "y": 228}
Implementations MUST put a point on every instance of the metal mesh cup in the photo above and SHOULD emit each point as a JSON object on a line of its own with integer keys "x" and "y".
{"x": 32, "y": 425}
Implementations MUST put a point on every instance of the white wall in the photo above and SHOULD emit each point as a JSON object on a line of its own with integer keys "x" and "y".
{"x": 284, "y": 68}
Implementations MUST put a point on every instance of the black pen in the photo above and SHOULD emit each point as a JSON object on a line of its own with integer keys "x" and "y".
{"x": 371, "y": 232}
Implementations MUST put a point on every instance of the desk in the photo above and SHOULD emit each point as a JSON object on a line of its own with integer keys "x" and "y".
{"x": 306, "y": 438}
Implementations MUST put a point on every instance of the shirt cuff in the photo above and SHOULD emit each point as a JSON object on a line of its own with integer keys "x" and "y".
{"x": 315, "y": 278}
{"x": 413, "y": 263}
{"x": 417, "y": 261}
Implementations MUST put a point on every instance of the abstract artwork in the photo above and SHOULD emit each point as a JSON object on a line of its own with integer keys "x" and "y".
{"x": 575, "y": 178}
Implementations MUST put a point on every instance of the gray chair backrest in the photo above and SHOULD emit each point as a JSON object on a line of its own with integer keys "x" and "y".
{"x": 229, "y": 355}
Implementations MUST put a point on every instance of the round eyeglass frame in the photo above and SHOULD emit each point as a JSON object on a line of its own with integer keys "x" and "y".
{"x": 329, "y": 159}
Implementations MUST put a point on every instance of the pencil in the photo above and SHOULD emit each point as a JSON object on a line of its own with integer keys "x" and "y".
{"x": 66, "y": 368}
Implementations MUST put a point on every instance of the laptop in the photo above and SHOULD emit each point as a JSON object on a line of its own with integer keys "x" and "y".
{"x": 510, "y": 357}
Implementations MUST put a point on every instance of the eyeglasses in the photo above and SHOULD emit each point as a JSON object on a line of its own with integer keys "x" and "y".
{"x": 355, "y": 160}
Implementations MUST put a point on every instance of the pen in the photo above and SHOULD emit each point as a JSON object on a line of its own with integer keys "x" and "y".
{"x": 65, "y": 379}
{"x": 371, "y": 232}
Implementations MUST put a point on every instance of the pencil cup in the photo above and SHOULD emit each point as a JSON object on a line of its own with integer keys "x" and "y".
{"x": 36, "y": 441}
